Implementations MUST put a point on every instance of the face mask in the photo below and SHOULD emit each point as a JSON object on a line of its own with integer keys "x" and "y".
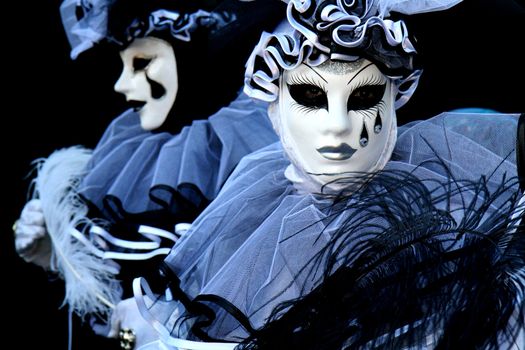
{"x": 336, "y": 120}
{"x": 149, "y": 79}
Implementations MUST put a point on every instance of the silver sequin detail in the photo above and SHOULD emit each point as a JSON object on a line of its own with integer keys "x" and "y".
{"x": 340, "y": 68}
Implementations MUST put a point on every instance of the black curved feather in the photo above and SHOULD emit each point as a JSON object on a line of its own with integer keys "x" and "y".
{"x": 431, "y": 272}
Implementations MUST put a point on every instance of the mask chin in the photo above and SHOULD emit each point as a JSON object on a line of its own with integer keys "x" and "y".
{"x": 154, "y": 114}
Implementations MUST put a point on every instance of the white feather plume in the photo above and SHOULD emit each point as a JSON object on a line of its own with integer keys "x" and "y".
{"x": 411, "y": 7}
{"x": 89, "y": 279}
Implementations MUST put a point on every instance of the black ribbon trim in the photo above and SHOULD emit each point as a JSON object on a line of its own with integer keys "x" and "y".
{"x": 229, "y": 308}
{"x": 197, "y": 309}
{"x": 205, "y": 314}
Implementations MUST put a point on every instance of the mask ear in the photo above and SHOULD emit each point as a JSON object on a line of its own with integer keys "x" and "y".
{"x": 274, "y": 114}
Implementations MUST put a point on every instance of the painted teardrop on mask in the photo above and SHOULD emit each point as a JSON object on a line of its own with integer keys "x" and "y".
{"x": 363, "y": 140}
{"x": 378, "y": 124}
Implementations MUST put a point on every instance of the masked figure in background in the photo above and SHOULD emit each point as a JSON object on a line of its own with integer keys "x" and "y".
{"x": 182, "y": 62}
{"x": 340, "y": 236}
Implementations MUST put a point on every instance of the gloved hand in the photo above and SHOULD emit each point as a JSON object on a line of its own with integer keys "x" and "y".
{"x": 126, "y": 317}
{"x": 32, "y": 242}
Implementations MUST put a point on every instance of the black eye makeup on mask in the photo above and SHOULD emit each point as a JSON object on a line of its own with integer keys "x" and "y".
{"x": 311, "y": 95}
{"x": 366, "y": 94}
{"x": 141, "y": 63}
{"x": 307, "y": 92}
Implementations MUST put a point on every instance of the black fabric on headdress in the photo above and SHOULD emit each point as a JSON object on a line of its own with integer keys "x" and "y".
{"x": 392, "y": 59}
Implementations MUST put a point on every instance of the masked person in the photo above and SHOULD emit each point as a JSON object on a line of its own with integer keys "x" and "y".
{"x": 98, "y": 212}
{"x": 346, "y": 193}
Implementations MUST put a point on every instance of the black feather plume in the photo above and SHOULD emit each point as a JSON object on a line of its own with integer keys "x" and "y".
{"x": 440, "y": 265}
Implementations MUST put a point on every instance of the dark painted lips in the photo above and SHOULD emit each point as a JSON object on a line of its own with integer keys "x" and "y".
{"x": 136, "y": 105}
{"x": 342, "y": 152}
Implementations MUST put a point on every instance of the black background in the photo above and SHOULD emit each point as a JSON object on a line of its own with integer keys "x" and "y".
{"x": 471, "y": 60}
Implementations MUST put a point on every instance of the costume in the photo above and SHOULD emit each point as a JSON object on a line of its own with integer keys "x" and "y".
{"x": 137, "y": 175}
{"x": 259, "y": 264}
{"x": 130, "y": 165}
{"x": 281, "y": 251}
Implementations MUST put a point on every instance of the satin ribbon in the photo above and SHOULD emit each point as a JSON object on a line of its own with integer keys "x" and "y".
{"x": 151, "y": 246}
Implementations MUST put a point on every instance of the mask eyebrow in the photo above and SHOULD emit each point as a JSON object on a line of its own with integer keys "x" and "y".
{"x": 313, "y": 70}
{"x": 359, "y": 72}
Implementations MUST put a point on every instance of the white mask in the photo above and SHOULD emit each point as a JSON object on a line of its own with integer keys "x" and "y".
{"x": 335, "y": 120}
{"x": 149, "y": 79}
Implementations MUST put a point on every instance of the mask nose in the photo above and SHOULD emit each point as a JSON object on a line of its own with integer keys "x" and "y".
{"x": 123, "y": 84}
{"x": 337, "y": 122}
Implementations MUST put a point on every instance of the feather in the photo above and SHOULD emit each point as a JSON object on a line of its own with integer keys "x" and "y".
{"x": 425, "y": 277}
{"x": 89, "y": 279}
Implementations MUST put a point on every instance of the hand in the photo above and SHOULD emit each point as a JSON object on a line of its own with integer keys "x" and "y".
{"x": 32, "y": 242}
{"x": 127, "y": 316}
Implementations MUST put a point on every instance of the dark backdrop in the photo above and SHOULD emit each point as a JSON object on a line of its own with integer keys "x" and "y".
{"x": 471, "y": 56}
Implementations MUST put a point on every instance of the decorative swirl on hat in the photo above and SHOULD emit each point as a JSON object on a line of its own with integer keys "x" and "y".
{"x": 333, "y": 29}
{"x": 180, "y": 25}
{"x": 86, "y": 21}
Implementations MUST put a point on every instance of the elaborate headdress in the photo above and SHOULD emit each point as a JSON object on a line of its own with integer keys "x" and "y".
{"x": 132, "y": 19}
{"x": 212, "y": 39}
{"x": 87, "y": 22}
{"x": 342, "y": 30}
